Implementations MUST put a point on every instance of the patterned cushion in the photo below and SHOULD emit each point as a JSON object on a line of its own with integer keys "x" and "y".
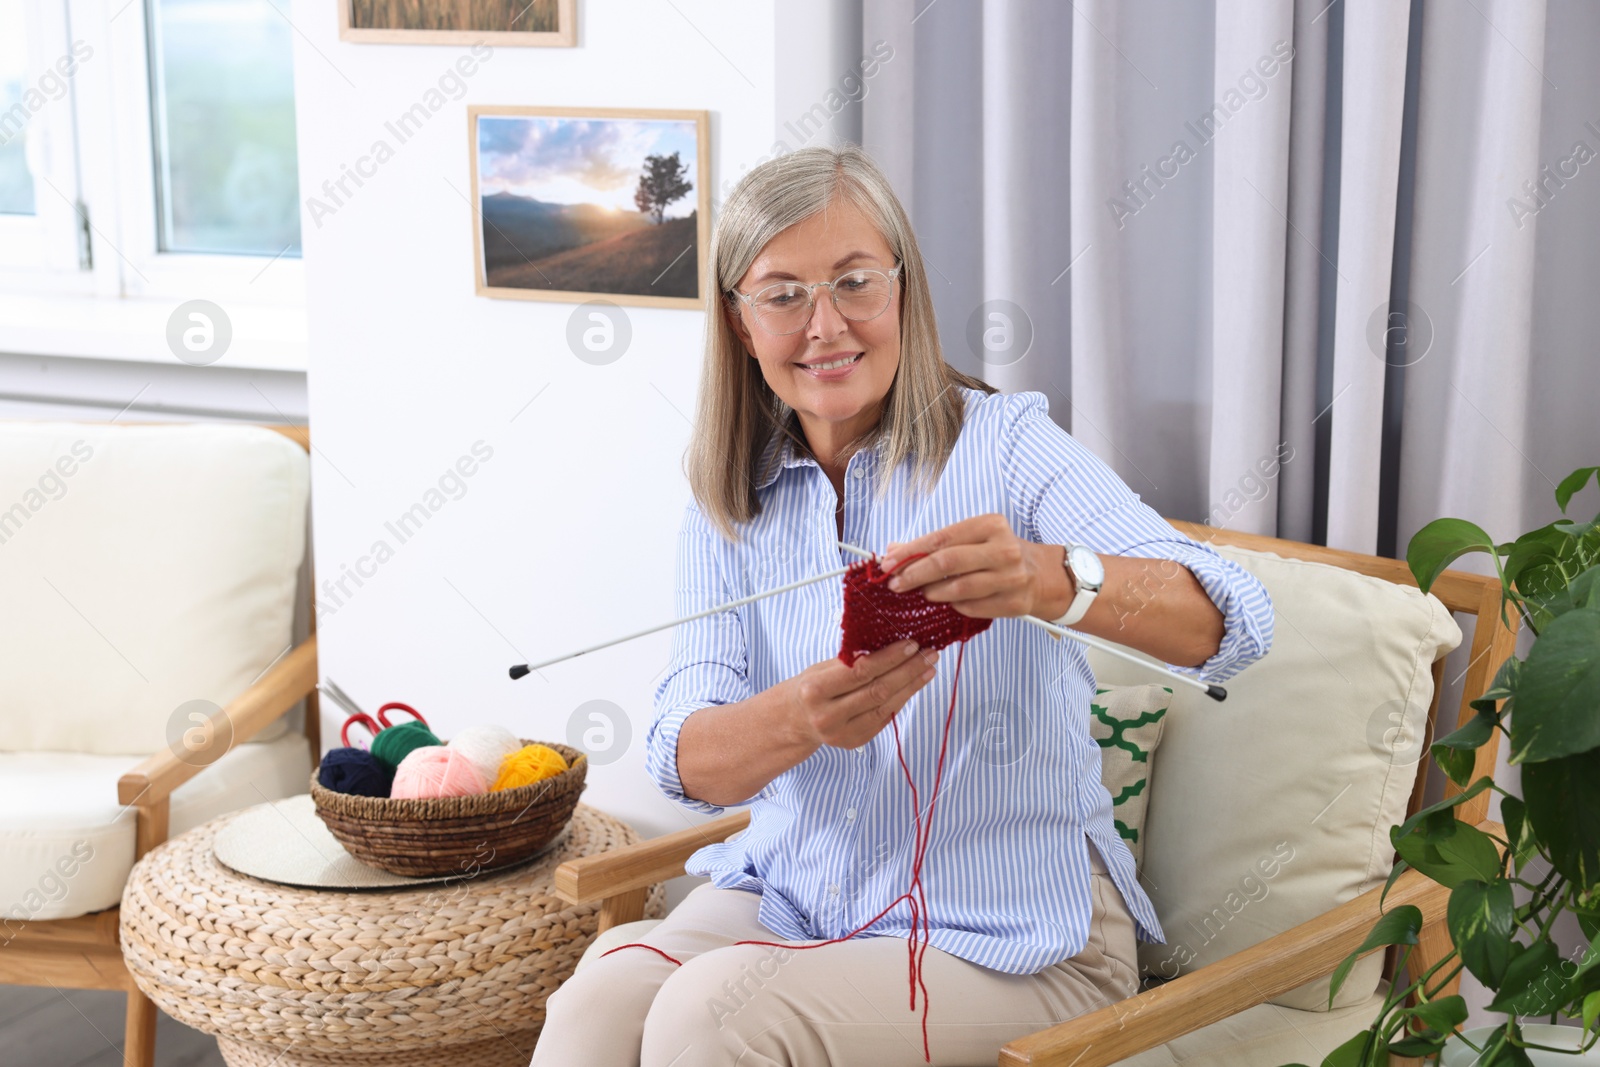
{"x": 1126, "y": 720}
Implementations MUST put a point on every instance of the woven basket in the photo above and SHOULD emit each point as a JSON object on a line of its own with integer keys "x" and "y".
{"x": 450, "y": 834}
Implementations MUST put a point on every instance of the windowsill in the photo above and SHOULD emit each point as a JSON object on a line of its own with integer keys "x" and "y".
{"x": 88, "y": 327}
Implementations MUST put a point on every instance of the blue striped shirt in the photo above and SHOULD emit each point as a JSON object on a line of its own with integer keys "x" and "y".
{"x": 829, "y": 844}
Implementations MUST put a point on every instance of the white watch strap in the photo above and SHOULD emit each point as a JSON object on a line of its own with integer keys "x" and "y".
{"x": 1080, "y": 602}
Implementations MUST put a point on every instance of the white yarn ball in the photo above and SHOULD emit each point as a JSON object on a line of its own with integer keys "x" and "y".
{"x": 485, "y": 746}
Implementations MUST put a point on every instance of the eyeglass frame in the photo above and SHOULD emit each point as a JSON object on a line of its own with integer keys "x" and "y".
{"x": 811, "y": 296}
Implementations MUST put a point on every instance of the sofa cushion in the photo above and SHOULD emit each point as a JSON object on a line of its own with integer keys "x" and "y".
{"x": 1275, "y": 805}
{"x": 1126, "y": 722}
{"x": 66, "y": 845}
{"x": 142, "y": 568}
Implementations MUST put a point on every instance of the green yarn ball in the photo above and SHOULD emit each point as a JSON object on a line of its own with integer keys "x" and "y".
{"x": 397, "y": 742}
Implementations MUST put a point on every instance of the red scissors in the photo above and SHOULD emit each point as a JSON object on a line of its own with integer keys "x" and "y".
{"x": 407, "y": 708}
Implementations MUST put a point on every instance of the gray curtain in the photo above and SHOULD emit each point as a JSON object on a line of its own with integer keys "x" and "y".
{"x": 1219, "y": 264}
{"x": 1330, "y": 299}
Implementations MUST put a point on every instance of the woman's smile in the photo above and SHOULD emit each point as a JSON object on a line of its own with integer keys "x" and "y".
{"x": 832, "y": 368}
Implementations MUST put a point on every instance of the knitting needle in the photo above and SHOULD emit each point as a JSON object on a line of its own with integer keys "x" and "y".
{"x": 524, "y": 668}
{"x": 339, "y": 697}
{"x": 1215, "y": 692}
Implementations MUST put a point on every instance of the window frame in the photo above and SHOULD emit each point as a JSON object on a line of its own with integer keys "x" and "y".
{"x": 150, "y": 272}
{"x": 95, "y": 146}
{"x": 42, "y": 251}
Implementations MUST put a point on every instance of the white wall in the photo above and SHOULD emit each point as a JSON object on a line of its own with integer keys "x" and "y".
{"x": 566, "y": 534}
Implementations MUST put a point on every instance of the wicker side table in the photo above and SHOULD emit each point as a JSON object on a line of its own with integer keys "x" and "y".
{"x": 442, "y": 975}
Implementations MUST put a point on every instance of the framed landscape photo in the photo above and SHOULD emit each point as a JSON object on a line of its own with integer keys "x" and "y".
{"x": 552, "y": 23}
{"x": 574, "y": 204}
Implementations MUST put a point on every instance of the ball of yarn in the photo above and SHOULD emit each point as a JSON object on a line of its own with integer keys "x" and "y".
{"x": 394, "y": 744}
{"x": 527, "y": 765}
{"x": 436, "y": 771}
{"x": 354, "y": 771}
{"x": 487, "y": 747}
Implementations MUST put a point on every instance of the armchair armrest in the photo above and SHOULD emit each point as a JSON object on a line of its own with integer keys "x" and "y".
{"x": 274, "y": 693}
{"x": 637, "y": 867}
{"x": 1227, "y": 987}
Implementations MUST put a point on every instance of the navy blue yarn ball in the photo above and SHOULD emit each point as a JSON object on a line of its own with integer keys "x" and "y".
{"x": 355, "y": 771}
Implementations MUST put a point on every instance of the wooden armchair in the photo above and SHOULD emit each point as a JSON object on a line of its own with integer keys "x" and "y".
{"x": 1222, "y": 989}
{"x": 83, "y": 951}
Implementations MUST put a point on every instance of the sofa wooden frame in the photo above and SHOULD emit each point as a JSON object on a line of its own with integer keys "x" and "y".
{"x": 85, "y": 952}
{"x": 618, "y": 880}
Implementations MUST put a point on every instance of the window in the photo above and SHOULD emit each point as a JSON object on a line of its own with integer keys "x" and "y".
{"x": 16, "y": 184}
{"x": 147, "y": 150}
{"x": 222, "y": 115}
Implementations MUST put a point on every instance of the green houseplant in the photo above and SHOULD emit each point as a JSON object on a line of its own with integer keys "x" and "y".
{"x": 1551, "y": 845}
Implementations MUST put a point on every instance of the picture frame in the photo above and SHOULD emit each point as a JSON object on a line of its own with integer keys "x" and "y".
{"x": 577, "y": 204}
{"x": 375, "y": 22}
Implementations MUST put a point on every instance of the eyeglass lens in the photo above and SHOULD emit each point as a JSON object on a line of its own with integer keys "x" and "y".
{"x": 859, "y": 295}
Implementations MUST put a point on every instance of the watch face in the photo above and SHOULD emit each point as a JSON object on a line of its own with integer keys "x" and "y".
{"x": 1086, "y": 567}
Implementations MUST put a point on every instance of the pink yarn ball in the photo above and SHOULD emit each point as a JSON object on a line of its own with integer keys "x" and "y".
{"x": 436, "y": 771}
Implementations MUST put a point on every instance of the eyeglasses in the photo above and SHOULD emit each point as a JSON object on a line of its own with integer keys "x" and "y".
{"x": 858, "y": 295}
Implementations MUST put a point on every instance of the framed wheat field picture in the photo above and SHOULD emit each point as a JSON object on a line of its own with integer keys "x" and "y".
{"x": 552, "y": 23}
{"x": 574, "y": 204}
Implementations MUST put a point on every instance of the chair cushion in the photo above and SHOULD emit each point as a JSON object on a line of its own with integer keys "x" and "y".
{"x": 1126, "y": 721}
{"x": 1266, "y": 1035}
{"x": 142, "y": 568}
{"x": 66, "y": 845}
{"x": 1275, "y": 805}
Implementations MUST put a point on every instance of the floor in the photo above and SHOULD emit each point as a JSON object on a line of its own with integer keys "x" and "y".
{"x": 44, "y": 1027}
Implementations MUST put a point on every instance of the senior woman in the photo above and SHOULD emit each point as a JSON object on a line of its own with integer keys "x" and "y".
{"x": 828, "y": 413}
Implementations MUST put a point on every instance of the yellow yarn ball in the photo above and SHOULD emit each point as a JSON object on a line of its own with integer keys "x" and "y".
{"x": 529, "y": 764}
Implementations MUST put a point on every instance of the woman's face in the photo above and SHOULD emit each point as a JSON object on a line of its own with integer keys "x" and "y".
{"x": 834, "y": 406}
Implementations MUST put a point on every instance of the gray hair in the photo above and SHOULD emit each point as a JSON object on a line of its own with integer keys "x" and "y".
{"x": 738, "y": 414}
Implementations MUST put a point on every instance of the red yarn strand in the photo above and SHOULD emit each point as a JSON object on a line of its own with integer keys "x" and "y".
{"x": 875, "y": 617}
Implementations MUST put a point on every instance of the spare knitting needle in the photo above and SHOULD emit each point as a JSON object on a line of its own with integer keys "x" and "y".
{"x": 1215, "y": 692}
{"x": 339, "y": 697}
{"x": 523, "y": 668}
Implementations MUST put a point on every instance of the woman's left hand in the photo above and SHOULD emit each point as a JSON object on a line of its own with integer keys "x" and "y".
{"x": 978, "y": 566}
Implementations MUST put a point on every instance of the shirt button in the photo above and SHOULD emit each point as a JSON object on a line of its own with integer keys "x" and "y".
{"x": 850, "y": 814}
{"x": 834, "y": 889}
{"x": 861, "y": 472}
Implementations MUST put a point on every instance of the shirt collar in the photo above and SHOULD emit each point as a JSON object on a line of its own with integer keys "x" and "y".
{"x": 789, "y": 456}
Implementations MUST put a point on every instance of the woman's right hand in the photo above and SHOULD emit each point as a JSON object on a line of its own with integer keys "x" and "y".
{"x": 845, "y": 707}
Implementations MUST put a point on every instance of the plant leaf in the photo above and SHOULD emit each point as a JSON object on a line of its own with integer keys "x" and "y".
{"x": 1563, "y": 806}
{"x": 1519, "y": 832}
{"x": 1448, "y": 850}
{"x": 1397, "y": 927}
{"x": 1456, "y": 752}
{"x": 1444, "y": 805}
{"x": 1572, "y": 484}
{"x": 1418, "y": 1046}
{"x": 1591, "y": 1010}
{"x": 1558, "y": 691}
{"x": 1441, "y": 543}
{"x": 1366, "y": 1049}
{"x": 1479, "y": 918}
{"x": 1400, "y": 867}
{"x": 1533, "y": 983}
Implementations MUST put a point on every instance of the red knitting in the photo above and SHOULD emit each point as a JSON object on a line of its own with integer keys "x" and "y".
{"x": 875, "y": 617}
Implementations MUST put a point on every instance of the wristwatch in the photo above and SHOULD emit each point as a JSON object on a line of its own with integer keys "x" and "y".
{"x": 1087, "y": 574}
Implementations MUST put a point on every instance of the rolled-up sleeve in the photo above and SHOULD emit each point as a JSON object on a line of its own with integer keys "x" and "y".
{"x": 1065, "y": 493}
{"x": 708, "y": 663}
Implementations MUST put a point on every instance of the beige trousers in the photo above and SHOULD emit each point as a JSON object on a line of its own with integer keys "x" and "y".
{"x": 835, "y": 1006}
